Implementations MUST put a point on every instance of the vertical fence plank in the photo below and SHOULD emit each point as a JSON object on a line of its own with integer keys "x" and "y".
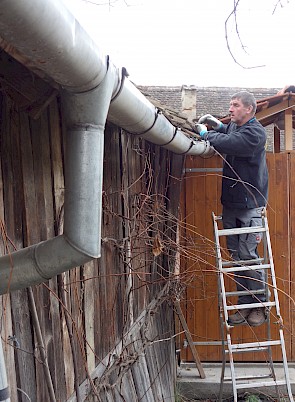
{"x": 292, "y": 253}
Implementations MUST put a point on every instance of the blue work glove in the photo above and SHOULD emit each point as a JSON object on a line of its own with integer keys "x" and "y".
{"x": 211, "y": 121}
{"x": 201, "y": 129}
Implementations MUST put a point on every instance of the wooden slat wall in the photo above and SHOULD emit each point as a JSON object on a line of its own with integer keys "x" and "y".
{"x": 292, "y": 252}
{"x": 85, "y": 312}
{"x": 202, "y": 193}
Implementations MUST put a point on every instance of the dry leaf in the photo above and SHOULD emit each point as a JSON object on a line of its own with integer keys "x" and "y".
{"x": 157, "y": 246}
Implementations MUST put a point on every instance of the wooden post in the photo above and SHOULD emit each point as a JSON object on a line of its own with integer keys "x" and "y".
{"x": 288, "y": 130}
{"x": 189, "y": 339}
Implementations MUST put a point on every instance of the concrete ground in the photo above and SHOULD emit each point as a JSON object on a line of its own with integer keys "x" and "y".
{"x": 191, "y": 387}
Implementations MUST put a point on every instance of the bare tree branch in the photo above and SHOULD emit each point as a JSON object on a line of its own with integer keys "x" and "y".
{"x": 234, "y": 14}
{"x": 278, "y": 3}
{"x": 110, "y": 3}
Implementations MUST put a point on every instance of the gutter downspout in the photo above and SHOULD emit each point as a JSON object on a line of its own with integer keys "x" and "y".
{"x": 45, "y": 36}
{"x": 80, "y": 241}
{"x": 4, "y": 389}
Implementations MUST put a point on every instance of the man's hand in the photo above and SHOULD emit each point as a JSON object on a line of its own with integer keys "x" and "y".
{"x": 201, "y": 129}
{"x": 211, "y": 121}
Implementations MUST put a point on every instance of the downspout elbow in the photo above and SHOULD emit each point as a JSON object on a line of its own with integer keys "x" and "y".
{"x": 81, "y": 241}
{"x": 38, "y": 263}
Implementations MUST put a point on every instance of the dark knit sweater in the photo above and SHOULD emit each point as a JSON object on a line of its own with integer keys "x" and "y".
{"x": 245, "y": 173}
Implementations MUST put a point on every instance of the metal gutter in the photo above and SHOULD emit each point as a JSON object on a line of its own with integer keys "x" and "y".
{"x": 45, "y": 36}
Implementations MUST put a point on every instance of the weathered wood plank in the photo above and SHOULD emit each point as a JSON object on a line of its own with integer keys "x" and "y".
{"x": 31, "y": 230}
{"x": 56, "y": 157}
{"x": 89, "y": 313}
{"x": 13, "y": 199}
{"x": 5, "y": 305}
{"x": 40, "y": 158}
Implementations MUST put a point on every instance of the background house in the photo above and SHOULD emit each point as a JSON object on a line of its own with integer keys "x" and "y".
{"x": 194, "y": 102}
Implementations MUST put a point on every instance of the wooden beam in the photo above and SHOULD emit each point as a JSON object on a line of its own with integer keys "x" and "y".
{"x": 288, "y": 130}
{"x": 275, "y": 109}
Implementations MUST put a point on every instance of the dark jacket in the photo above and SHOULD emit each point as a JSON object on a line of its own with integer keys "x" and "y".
{"x": 245, "y": 173}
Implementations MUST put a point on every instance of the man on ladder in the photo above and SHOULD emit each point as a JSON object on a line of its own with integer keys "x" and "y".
{"x": 244, "y": 193}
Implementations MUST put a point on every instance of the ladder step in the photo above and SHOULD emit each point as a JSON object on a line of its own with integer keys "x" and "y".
{"x": 248, "y": 377}
{"x": 235, "y": 231}
{"x": 246, "y": 268}
{"x": 250, "y": 305}
{"x": 250, "y": 345}
{"x": 260, "y": 384}
{"x": 226, "y": 263}
{"x": 247, "y": 350}
{"x": 245, "y": 293}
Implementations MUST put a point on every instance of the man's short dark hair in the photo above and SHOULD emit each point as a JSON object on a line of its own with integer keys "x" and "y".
{"x": 246, "y": 98}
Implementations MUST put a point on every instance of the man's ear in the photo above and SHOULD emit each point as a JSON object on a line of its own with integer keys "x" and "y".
{"x": 250, "y": 109}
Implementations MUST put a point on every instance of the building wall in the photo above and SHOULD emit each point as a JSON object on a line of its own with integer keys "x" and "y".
{"x": 107, "y": 326}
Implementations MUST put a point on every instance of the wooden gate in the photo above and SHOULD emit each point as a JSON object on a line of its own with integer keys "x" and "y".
{"x": 201, "y": 196}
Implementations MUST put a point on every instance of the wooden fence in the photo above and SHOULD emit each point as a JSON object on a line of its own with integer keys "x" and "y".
{"x": 201, "y": 196}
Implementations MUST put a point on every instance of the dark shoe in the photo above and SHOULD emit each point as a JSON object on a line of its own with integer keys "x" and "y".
{"x": 256, "y": 317}
{"x": 239, "y": 317}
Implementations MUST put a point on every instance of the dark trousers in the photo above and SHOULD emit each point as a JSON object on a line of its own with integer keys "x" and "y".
{"x": 244, "y": 247}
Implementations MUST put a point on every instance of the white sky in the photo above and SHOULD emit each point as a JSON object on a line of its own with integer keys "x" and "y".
{"x": 182, "y": 42}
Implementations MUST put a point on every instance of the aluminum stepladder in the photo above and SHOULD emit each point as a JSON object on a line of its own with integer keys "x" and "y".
{"x": 225, "y": 266}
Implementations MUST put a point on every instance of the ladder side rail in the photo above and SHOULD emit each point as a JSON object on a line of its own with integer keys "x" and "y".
{"x": 272, "y": 271}
{"x": 223, "y": 351}
{"x": 232, "y": 367}
{"x": 269, "y": 257}
{"x": 220, "y": 304}
{"x": 285, "y": 364}
{"x": 219, "y": 267}
{"x": 267, "y": 295}
{"x": 223, "y": 297}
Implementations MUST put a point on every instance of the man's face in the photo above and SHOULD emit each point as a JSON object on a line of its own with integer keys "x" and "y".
{"x": 239, "y": 113}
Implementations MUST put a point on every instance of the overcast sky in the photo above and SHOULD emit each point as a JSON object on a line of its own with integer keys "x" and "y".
{"x": 182, "y": 42}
